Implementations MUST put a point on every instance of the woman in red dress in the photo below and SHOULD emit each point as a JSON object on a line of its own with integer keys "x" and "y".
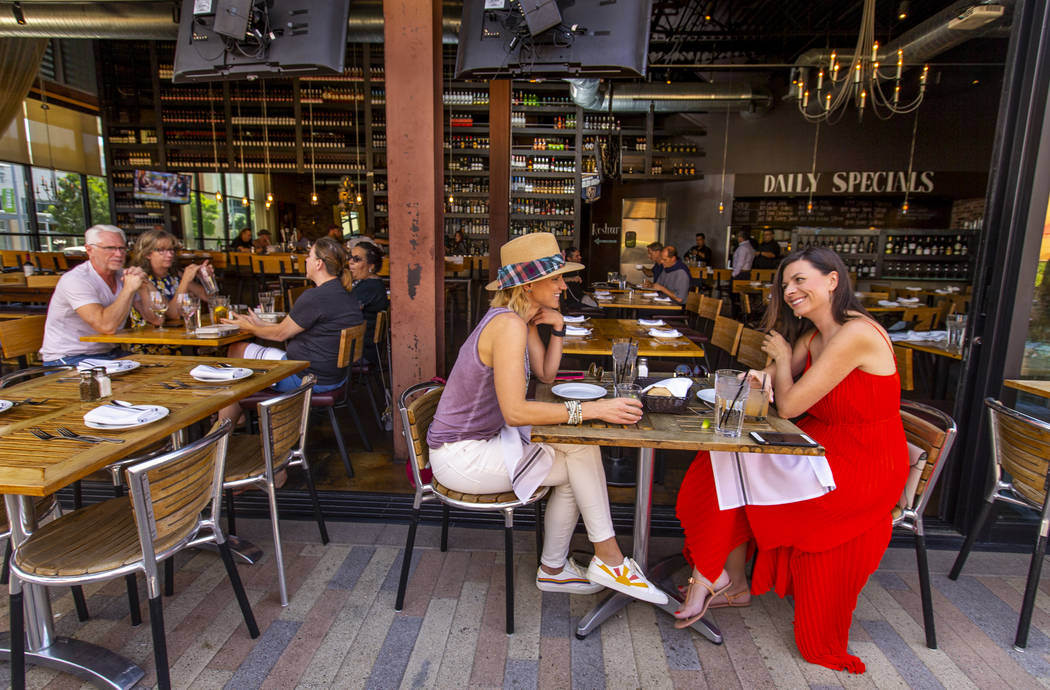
{"x": 835, "y": 364}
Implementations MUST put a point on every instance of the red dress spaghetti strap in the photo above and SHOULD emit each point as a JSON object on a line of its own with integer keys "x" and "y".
{"x": 823, "y": 550}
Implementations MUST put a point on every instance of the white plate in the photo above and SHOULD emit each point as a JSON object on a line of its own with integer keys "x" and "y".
{"x": 707, "y": 395}
{"x": 239, "y": 373}
{"x": 270, "y": 316}
{"x": 913, "y": 289}
{"x": 6, "y": 405}
{"x": 574, "y": 319}
{"x": 651, "y": 322}
{"x": 578, "y": 391}
{"x": 118, "y": 366}
{"x": 162, "y": 412}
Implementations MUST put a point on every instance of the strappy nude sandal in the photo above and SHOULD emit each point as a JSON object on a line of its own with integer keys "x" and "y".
{"x": 686, "y": 622}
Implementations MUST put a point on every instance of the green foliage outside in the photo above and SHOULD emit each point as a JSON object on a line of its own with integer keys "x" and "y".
{"x": 66, "y": 208}
{"x": 210, "y": 212}
{"x": 98, "y": 197}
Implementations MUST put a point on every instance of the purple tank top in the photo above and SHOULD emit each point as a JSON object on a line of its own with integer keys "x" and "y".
{"x": 469, "y": 410}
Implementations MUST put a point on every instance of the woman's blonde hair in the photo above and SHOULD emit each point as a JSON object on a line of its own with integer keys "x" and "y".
{"x": 514, "y": 298}
{"x": 147, "y": 244}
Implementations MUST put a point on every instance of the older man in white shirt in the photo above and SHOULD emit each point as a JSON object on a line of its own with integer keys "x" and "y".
{"x": 95, "y": 297}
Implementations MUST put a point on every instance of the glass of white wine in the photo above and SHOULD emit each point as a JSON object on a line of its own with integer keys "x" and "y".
{"x": 158, "y": 302}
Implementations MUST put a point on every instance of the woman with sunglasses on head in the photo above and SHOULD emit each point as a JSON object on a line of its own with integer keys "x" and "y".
{"x": 833, "y": 363}
{"x": 365, "y": 260}
{"x": 155, "y": 252}
{"x": 479, "y": 437}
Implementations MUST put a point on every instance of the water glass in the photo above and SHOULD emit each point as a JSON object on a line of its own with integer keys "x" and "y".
{"x": 189, "y": 307}
{"x": 206, "y": 276}
{"x": 756, "y": 407}
{"x": 731, "y": 391}
{"x": 628, "y": 390}
{"x": 266, "y": 302}
{"x": 956, "y": 327}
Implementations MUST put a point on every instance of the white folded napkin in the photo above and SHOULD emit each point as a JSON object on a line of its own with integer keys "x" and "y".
{"x": 908, "y": 300}
{"x": 203, "y": 371}
{"x": 769, "y": 479}
{"x": 651, "y": 322}
{"x": 113, "y": 415}
{"x": 906, "y": 336}
{"x": 888, "y": 303}
{"x": 661, "y": 299}
{"x": 756, "y": 283}
{"x": 602, "y": 297}
{"x": 574, "y": 319}
{"x": 942, "y": 292}
{"x": 217, "y": 330}
{"x": 599, "y": 293}
{"x": 577, "y": 330}
{"x": 650, "y": 294}
{"x": 678, "y": 386}
{"x": 912, "y": 288}
{"x": 664, "y": 332}
{"x": 111, "y": 365}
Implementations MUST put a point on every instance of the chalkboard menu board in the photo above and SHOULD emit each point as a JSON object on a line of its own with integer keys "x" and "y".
{"x": 852, "y": 212}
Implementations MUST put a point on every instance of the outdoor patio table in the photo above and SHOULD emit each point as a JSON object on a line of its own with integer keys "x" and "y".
{"x": 31, "y": 467}
{"x": 603, "y": 331}
{"x": 669, "y": 431}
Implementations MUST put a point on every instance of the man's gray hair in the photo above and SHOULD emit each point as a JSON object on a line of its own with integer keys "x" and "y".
{"x": 92, "y": 234}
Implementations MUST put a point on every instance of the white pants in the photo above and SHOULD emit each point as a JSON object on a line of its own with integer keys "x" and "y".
{"x": 577, "y": 478}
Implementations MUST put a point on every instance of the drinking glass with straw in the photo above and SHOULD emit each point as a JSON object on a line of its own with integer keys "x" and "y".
{"x": 730, "y": 385}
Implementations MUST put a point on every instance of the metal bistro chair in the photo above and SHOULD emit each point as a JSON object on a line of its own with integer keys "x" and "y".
{"x": 174, "y": 504}
{"x": 282, "y": 437}
{"x": 415, "y": 418}
{"x": 1021, "y": 452}
{"x": 934, "y": 432}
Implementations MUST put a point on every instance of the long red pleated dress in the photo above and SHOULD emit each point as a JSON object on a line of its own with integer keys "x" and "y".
{"x": 823, "y": 550}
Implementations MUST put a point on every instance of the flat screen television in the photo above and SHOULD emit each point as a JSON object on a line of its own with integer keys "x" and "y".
{"x": 596, "y": 38}
{"x": 284, "y": 38}
{"x": 161, "y": 186}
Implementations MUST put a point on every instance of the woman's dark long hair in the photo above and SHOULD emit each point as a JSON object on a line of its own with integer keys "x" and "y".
{"x": 781, "y": 318}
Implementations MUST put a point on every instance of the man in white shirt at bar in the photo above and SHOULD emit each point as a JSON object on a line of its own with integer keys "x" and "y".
{"x": 95, "y": 297}
{"x": 743, "y": 255}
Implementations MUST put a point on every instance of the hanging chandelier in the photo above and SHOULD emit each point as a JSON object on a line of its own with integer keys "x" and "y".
{"x": 870, "y": 78}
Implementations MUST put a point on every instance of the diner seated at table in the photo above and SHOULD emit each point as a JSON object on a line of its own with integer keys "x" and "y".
{"x": 480, "y": 435}
{"x": 369, "y": 290}
{"x": 572, "y": 298}
{"x": 654, "y": 249}
{"x": 311, "y": 329}
{"x": 155, "y": 253}
{"x": 243, "y": 241}
{"x": 674, "y": 280}
{"x": 834, "y": 364}
{"x": 93, "y": 297}
{"x": 263, "y": 242}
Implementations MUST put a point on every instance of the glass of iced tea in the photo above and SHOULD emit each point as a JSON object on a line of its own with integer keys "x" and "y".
{"x": 219, "y": 305}
{"x": 756, "y": 407}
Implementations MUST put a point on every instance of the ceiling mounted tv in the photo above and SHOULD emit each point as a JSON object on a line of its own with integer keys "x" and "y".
{"x": 595, "y": 38}
{"x": 282, "y": 38}
{"x": 161, "y": 186}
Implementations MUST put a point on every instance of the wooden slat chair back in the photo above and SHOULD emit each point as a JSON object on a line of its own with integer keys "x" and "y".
{"x": 945, "y": 307}
{"x": 692, "y": 306}
{"x": 933, "y": 432}
{"x": 382, "y": 325}
{"x": 905, "y": 357}
{"x": 50, "y": 261}
{"x": 741, "y": 286}
{"x": 282, "y": 423}
{"x": 296, "y": 292}
{"x": 883, "y": 287}
{"x": 266, "y": 265}
{"x": 765, "y": 275}
{"x": 351, "y": 345}
{"x": 725, "y": 339}
{"x": 871, "y": 298}
{"x": 923, "y": 318}
{"x": 1020, "y": 476}
{"x": 710, "y": 308}
{"x": 417, "y": 405}
{"x": 12, "y": 258}
{"x": 20, "y": 338}
{"x": 749, "y": 353}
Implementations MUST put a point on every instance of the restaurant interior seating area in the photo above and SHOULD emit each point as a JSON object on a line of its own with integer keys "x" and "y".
{"x": 652, "y": 140}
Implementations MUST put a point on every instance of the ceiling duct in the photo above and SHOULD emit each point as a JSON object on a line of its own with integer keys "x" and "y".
{"x": 629, "y": 97}
{"x": 923, "y": 42}
{"x": 145, "y": 20}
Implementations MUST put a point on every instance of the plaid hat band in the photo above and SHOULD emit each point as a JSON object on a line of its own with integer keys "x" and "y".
{"x": 528, "y": 271}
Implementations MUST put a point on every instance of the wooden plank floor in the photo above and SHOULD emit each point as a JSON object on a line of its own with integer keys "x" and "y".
{"x": 340, "y": 629}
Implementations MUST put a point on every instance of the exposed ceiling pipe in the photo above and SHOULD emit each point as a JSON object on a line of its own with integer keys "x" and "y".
{"x": 921, "y": 43}
{"x": 589, "y": 94}
{"x": 148, "y": 20}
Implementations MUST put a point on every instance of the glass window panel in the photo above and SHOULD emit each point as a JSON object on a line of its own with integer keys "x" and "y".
{"x": 211, "y": 228}
{"x": 59, "y": 208}
{"x": 238, "y": 214}
{"x": 98, "y": 195}
{"x": 1036, "y": 361}
{"x": 235, "y": 185}
{"x": 14, "y": 216}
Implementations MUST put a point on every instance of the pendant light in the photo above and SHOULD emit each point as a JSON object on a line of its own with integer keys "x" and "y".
{"x": 813, "y": 168}
{"x": 313, "y": 162}
{"x": 214, "y": 142}
{"x": 240, "y": 98}
{"x": 357, "y": 131}
{"x": 911, "y": 160}
{"x": 266, "y": 148}
{"x": 725, "y": 149}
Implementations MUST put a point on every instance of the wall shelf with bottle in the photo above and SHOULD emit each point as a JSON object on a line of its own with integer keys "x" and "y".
{"x": 897, "y": 253}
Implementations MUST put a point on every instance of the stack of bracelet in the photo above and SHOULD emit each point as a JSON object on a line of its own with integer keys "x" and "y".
{"x": 575, "y": 408}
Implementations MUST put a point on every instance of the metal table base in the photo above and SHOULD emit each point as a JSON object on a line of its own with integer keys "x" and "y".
{"x": 658, "y": 573}
{"x": 86, "y": 661}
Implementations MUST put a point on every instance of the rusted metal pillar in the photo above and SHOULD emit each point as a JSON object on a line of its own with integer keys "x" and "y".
{"x": 499, "y": 170}
{"x": 415, "y": 181}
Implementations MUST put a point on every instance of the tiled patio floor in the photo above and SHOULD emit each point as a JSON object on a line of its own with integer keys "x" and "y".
{"x": 340, "y": 629}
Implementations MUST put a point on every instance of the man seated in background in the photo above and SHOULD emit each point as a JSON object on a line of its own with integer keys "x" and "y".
{"x": 654, "y": 249}
{"x": 700, "y": 251}
{"x": 674, "y": 278}
{"x": 92, "y": 298}
{"x": 262, "y": 242}
{"x": 573, "y": 294}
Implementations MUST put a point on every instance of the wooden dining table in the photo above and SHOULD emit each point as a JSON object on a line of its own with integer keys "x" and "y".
{"x": 635, "y": 300}
{"x": 1031, "y": 386}
{"x": 604, "y": 331}
{"x": 667, "y": 431}
{"x": 173, "y": 335}
{"x": 31, "y": 468}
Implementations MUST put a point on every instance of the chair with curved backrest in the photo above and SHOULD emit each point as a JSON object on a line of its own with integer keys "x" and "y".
{"x": 363, "y": 368}
{"x": 174, "y": 504}
{"x": 281, "y": 443}
{"x": 932, "y": 432}
{"x": 749, "y": 353}
{"x": 20, "y": 338}
{"x": 725, "y": 339}
{"x": 922, "y": 318}
{"x": 417, "y": 405}
{"x": 1020, "y": 476}
{"x": 905, "y": 357}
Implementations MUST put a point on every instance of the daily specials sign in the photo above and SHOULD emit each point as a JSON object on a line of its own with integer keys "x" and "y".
{"x": 861, "y": 182}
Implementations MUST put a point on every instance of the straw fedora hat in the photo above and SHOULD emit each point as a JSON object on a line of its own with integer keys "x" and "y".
{"x": 529, "y": 258}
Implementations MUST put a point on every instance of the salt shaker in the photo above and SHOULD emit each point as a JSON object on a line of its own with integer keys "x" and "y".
{"x": 105, "y": 386}
{"x": 643, "y": 367}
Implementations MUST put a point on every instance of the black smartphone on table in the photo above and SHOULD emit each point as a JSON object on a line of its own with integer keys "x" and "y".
{"x": 778, "y": 438}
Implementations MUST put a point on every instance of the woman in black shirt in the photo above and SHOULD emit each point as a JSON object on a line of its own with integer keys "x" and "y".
{"x": 365, "y": 259}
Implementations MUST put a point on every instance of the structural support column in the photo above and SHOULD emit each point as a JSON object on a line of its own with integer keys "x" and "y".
{"x": 415, "y": 180}
{"x": 499, "y": 170}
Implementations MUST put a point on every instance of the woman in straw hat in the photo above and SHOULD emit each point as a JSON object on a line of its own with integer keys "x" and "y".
{"x": 479, "y": 438}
